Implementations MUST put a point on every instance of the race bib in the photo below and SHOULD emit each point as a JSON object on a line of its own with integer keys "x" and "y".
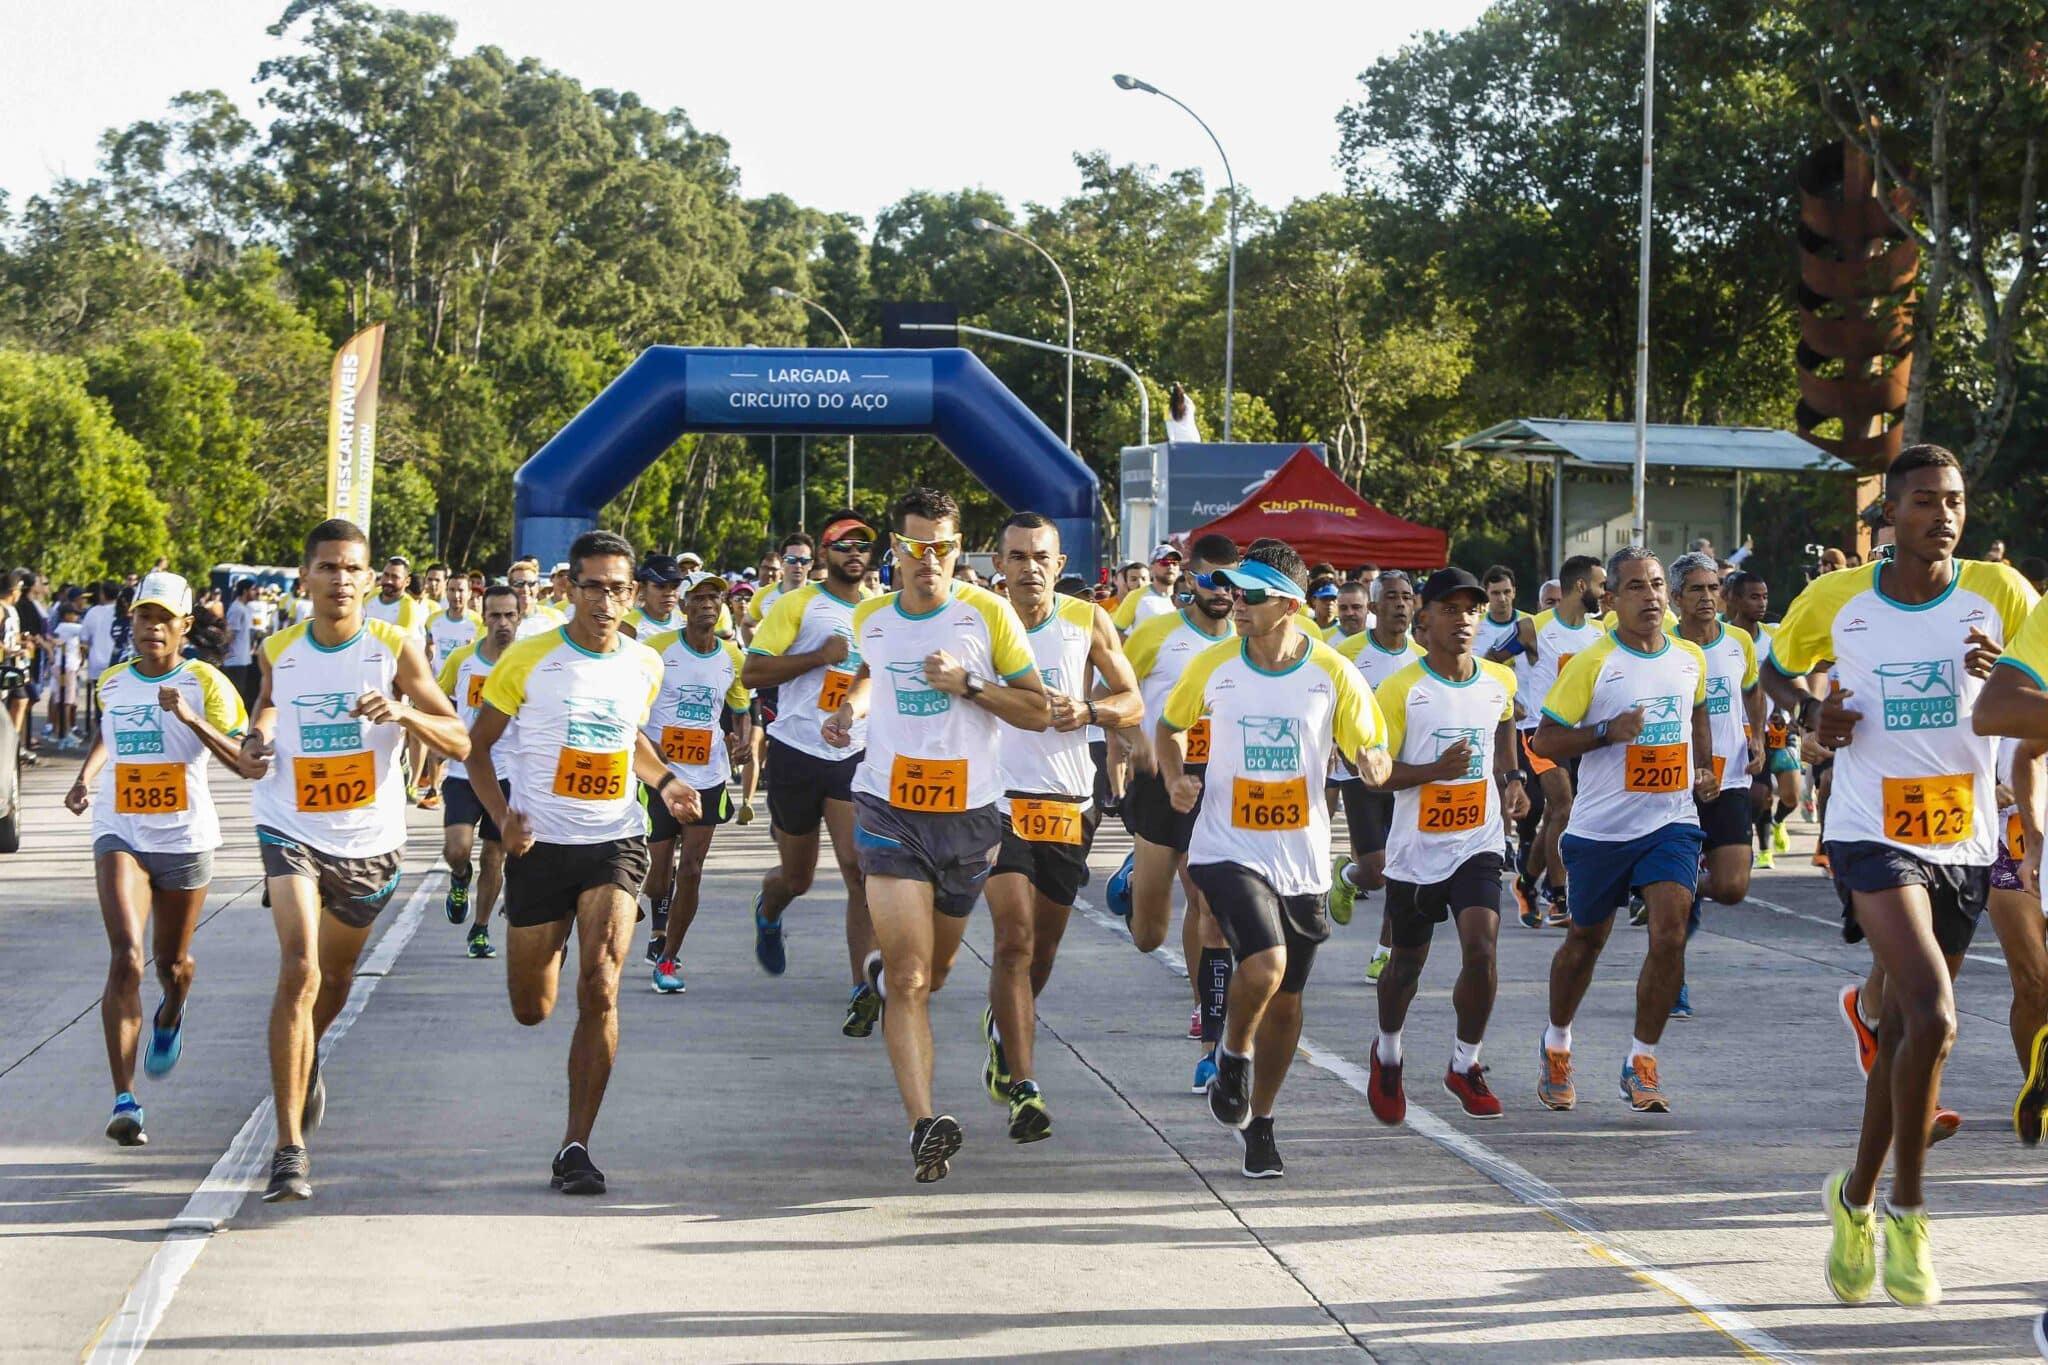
{"x": 340, "y": 782}
{"x": 159, "y": 789}
{"x": 1929, "y": 810}
{"x": 1046, "y": 822}
{"x": 679, "y": 744}
{"x": 2015, "y": 837}
{"x": 936, "y": 786}
{"x": 1658, "y": 769}
{"x": 1269, "y": 805}
{"x": 475, "y": 697}
{"x": 582, "y": 775}
{"x": 1451, "y": 807}
{"x": 832, "y": 692}
{"x": 1198, "y": 742}
{"x": 1720, "y": 766}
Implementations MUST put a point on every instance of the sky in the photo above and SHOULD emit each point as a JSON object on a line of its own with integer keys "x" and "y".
{"x": 841, "y": 108}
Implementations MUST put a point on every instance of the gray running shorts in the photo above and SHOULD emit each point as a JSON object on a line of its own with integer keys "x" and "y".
{"x": 166, "y": 871}
{"x": 353, "y": 890}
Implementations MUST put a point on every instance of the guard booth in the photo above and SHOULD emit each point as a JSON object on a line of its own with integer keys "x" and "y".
{"x": 1170, "y": 488}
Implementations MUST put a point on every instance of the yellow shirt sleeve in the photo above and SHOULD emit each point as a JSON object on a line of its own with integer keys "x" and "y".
{"x": 223, "y": 705}
{"x": 1571, "y": 696}
{"x": 1805, "y": 639}
{"x": 1008, "y": 648}
{"x": 452, "y": 667}
{"x": 1392, "y": 696}
{"x": 505, "y": 689}
{"x": 1142, "y": 648}
{"x": 779, "y": 627}
{"x": 1506, "y": 675}
{"x": 737, "y": 696}
{"x": 1127, "y": 610}
{"x": 2005, "y": 588}
{"x": 1356, "y": 723}
{"x": 2027, "y": 650}
{"x": 1190, "y": 696}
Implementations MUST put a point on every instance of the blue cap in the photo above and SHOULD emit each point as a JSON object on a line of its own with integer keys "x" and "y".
{"x": 1252, "y": 574}
{"x": 1323, "y": 589}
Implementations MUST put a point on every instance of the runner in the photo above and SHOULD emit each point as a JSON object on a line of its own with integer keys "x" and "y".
{"x": 700, "y": 677}
{"x": 399, "y": 607}
{"x": 1322, "y": 604}
{"x": 1444, "y": 848}
{"x": 804, "y": 650}
{"x": 781, "y": 574}
{"x": 1049, "y": 814}
{"x": 1549, "y": 642}
{"x": 574, "y": 833}
{"x": 1354, "y": 608}
{"x": 154, "y": 829}
{"x": 1379, "y": 654}
{"x": 1632, "y": 707}
{"x": 536, "y": 617}
{"x": 926, "y": 794}
{"x": 1159, "y": 598}
{"x": 1774, "y": 793}
{"x": 1500, "y": 629}
{"x": 448, "y": 630}
{"x": 661, "y": 581}
{"x": 1908, "y": 843}
{"x": 339, "y": 695}
{"x": 463, "y": 677}
{"x": 1260, "y": 851}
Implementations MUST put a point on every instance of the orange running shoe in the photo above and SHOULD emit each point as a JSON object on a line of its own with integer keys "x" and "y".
{"x": 1866, "y": 1041}
{"x": 1946, "y": 1121}
{"x": 1554, "y": 1086}
{"x": 1640, "y": 1087}
{"x": 1820, "y": 860}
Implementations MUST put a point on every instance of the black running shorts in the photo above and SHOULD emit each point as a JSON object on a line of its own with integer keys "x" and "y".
{"x": 799, "y": 785}
{"x": 1055, "y": 869}
{"x": 1254, "y": 917}
{"x": 543, "y": 884}
{"x": 661, "y": 826}
{"x": 1414, "y": 910}
{"x": 1958, "y": 893}
{"x": 1727, "y": 819}
{"x": 1149, "y": 812}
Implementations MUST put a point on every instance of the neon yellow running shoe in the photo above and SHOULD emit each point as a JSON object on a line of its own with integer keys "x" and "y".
{"x": 1780, "y": 840}
{"x": 1378, "y": 963}
{"x": 1765, "y": 859}
{"x": 1342, "y": 893}
{"x": 1909, "y": 1262}
{"x": 1852, "y": 1253}
{"x": 995, "y": 1072}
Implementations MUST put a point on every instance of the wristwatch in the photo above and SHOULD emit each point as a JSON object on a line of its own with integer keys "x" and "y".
{"x": 1600, "y": 733}
{"x": 973, "y": 686}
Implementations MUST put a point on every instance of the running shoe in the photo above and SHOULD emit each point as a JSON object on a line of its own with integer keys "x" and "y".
{"x": 1205, "y": 1072}
{"x": 667, "y": 980}
{"x": 2041, "y": 1335}
{"x": 315, "y": 1107}
{"x": 1820, "y": 860}
{"x": 1119, "y": 893}
{"x": 1383, "y": 1090}
{"x": 1909, "y": 1262}
{"x": 1554, "y": 1085}
{"x": 768, "y": 942}
{"x": 457, "y": 906}
{"x": 1342, "y": 893}
{"x": 745, "y": 815}
{"x": 1639, "y": 1086}
{"x": 1378, "y": 963}
{"x": 166, "y": 1045}
{"x": 1781, "y": 841}
{"x": 290, "y": 1176}
{"x": 1195, "y": 1026}
{"x": 995, "y": 1072}
{"x": 1806, "y": 809}
{"x": 575, "y": 1172}
{"x": 1473, "y": 1094}
{"x": 1947, "y": 1122}
{"x": 1851, "y": 1000}
{"x": 430, "y": 801}
{"x": 1766, "y": 860}
{"x": 933, "y": 1145}
{"x": 1230, "y": 1092}
{"x": 1029, "y": 1121}
{"x": 1638, "y": 912}
{"x": 863, "y": 1007}
{"x": 1852, "y": 1250}
{"x": 125, "y": 1127}
{"x": 1560, "y": 912}
{"x": 1261, "y": 1155}
{"x": 1681, "y": 1008}
{"x": 2026, "y": 1110}
{"x": 1525, "y": 903}
{"x": 480, "y": 942}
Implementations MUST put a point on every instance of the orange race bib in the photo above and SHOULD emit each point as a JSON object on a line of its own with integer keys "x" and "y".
{"x": 1046, "y": 822}
{"x": 935, "y": 786}
{"x": 832, "y": 692}
{"x": 476, "y": 690}
{"x": 344, "y": 782}
{"x": 1655, "y": 768}
{"x": 1720, "y": 766}
{"x": 2015, "y": 837}
{"x": 1269, "y": 805}
{"x": 159, "y": 789}
{"x": 1564, "y": 659}
{"x": 692, "y": 748}
{"x": 1451, "y": 807}
{"x": 582, "y": 775}
{"x": 1198, "y": 742}
{"x": 1929, "y": 810}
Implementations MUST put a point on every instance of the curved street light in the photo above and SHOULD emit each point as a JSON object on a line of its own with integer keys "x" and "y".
{"x": 776, "y": 291}
{"x": 1124, "y": 82}
{"x": 984, "y": 225}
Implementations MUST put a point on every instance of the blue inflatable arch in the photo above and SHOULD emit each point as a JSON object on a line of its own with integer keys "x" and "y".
{"x": 671, "y": 390}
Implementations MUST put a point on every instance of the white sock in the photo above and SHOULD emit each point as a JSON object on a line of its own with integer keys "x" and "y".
{"x": 1892, "y": 1210}
{"x": 1557, "y": 1039}
{"x": 1638, "y": 1048}
{"x": 1856, "y": 1208}
{"x": 996, "y": 1029}
{"x": 1349, "y": 869}
{"x": 1464, "y": 1055}
{"x": 1382, "y": 951}
{"x": 1388, "y": 1048}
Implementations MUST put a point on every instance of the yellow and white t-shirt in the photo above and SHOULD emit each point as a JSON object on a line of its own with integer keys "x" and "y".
{"x": 799, "y": 624}
{"x": 645, "y": 627}
{"x": 1141, "y": 606}
{"x": 1731, "y": 673}
{"x": 1438, "y": 825}
{"x": 463, "y": 675}
{"x": 684, "y": 723}
{"x": 1494, "y": 634}
{"x": 1374, "y": 661}
{"x": 1556, "y": 643}
{"x": 445, "y": 635}
{"x": 1046, "y": 762}
{"x": 576, "y": 714}
{"x": 408, "y": 613}
{"x": 331, "y": 784}
{"x": 153, "y": 794}
{"x": 1629, "y": 790}
{"x": 1670, "y": 620}
{"x": 759, "y": 604}
{"x": 1917, "y": 777}
{"x": 542, "y": 619}
{"x": 929, "y": 751}
{"x": 1160, "y": 651}
{"x": 1270, "y": 740}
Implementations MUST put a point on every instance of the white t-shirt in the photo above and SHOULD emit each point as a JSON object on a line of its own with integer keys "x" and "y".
{"x": 684, "y": 724}
{"x": 239, "y": 653}
{"x": 1731, "y": 673}
{"x": 1556, "y": 644}
{"x": 1629, "y": 790}
{"x": 799, "y": 623}
{"x": 1047, "y": 762}
{"x": 153, "y": 793}
{"x": 1160, "y": 653}
{"x": 99, "y": 637}
{"x": 1438, "y": 825}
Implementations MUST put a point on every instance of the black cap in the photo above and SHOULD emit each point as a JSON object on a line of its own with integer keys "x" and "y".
{"x": 1445, "y": 582}
{"x": 661, "y": 569}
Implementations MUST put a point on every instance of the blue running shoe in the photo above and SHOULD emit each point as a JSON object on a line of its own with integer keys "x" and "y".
{"x": 1119, "y": 896}
{"x": 667, "y": 980}
{"x": 165, "y": 1044}
{"x": 125, "y": 1127}
{"x": 1205, "y": 1072}
{"x": 1681, "y": 1008}
{"x": 457, "y": 908}
{"x": 768, "y": 942}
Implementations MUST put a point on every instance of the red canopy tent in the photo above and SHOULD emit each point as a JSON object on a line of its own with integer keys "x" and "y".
{"x": 1309, "y": 507}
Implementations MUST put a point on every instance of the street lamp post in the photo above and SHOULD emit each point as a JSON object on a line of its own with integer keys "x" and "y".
{"x": 984, "y": 225}
{"x": 1124, "y": 82}
{"x": 776, "y": 291}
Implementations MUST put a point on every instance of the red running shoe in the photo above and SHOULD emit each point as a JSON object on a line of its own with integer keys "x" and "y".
{"x": 1383, "y": 1090}
{"x": 1469, "y": 1089}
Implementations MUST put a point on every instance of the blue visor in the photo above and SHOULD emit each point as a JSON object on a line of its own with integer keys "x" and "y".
{"x": 1324, "y": 590}
{"x": 1252, "y": 574}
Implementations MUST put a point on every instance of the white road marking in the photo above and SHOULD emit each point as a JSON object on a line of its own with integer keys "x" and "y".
{"x": 125, "y": 1335}
{"x": 1836, "y": 924}
{"x": 1519, "y": 1182}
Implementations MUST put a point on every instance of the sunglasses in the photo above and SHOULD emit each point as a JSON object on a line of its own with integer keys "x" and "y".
{"x": 918, "y": 549}
{"x": 801, "y": 559}
{"x": 1252, "y": 597}
{"x": 848, "y": 546}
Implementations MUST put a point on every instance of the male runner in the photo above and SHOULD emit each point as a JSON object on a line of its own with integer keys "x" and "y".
{"x": 463, "y": 677}
{"x": 446, "y": 631}
{"x": 340, "y": 692}
{"x": 574, "y": 832}
{"x": 436, "y": 585}
{"x": 1379, "y": 654}
{"x": 1632, "y": 708}
{"x": 792, "y": 568}
{"x": 943, "y": 662}
{"x": 661, "y": 580}
{"x": 536, "y": 617}
{"x": 1549, "y": 642}
{"x": 1160, "y": 597}
{"x": 154, "y": 828}
{"x": 1444, "y": 849}
{"x": 393, "y": 603}
{"x": 1048, "y": 812}
{"x": 782, "y": 573}
{"x": 1278, "y": 701}
{"x": 1354, "y": 606}
{"x": 804, "y": 649}
{"x": 1322, "y": 604}
{"x": 700, "y": 678}
{"x": 1910, "y": 841}
{"x": 1500, "y": 629}
{"x": 1774, "y": 793}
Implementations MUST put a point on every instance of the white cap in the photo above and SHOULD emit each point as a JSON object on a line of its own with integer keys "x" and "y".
{"x": 166, "y": 590}
{"x": 689, "y": 557}
{"x": 1166, "y": 550}
{"x": 562, "y": 567}
{"x": 694, "y": 581}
